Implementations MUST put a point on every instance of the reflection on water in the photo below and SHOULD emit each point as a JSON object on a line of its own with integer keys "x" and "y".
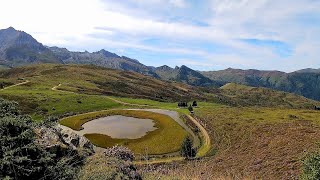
{"x": 119, "y": 127}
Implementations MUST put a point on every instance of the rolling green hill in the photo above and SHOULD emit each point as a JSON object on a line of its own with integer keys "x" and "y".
{"x": 87, "y": 79}
{"x": 305, "y": 82}
{"x": 248, "y": 96}
{"x": 46, "y": 89}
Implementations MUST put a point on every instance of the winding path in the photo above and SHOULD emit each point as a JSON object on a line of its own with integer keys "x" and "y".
{"x": 19, "y": 84}
{"x": 207, "y": 141}
{"x": 55, "y": 88}
{"x": 206, "y": 146}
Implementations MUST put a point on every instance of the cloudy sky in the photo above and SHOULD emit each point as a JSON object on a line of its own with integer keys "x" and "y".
{"x": 202, "y": 34}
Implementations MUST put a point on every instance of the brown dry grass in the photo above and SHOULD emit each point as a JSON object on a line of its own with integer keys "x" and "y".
{"x": 254, "y": 143}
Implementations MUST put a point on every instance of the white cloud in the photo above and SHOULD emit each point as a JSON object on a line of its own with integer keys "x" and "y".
{"x": 93, "y": 24}
{"x": 178, "y": 3}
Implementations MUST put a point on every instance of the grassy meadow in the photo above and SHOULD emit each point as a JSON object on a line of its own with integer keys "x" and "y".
{"x": 252, "y": 142}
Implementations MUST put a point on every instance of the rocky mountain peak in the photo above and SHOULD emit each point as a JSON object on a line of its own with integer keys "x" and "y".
{"x": 108, "y": 54}
{"x": 164, "y": 67}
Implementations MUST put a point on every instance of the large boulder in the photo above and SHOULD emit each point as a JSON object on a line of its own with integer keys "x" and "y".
{"x": 60, "y": 141}
{"x": 49, "y": 138}
{"x": 76, "y": 141}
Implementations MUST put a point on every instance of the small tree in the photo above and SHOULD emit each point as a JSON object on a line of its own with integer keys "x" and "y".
{"x": 187, "y": 150}
{"x": 190, "y": 108}
{"x": 182, "y": 104}
{"x": 194, "y": 104}
{"x": 185, "y": 104}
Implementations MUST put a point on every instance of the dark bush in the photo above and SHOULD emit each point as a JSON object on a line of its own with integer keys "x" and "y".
{"x": 194, "y": 104}
{"x": 190, "y": 108}
{"x": 182, "y": 104}
{"x": 20, "y": 156}
{"x": 187, "y": 149}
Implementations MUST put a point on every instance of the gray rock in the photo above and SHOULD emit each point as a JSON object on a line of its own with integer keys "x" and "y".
{"x": 58, "y": 141}
{"x": 76, "y": 141}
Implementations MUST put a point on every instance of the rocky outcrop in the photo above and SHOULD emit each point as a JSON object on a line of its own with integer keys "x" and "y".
{"x": 113, "y": 163}
{"x": 76, "y": 141}
{"x": 119, "y": 152}
{"x": 60, "y": 141}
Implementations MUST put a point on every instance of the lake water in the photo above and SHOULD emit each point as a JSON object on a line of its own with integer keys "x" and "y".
{"x": 119, "y": 127}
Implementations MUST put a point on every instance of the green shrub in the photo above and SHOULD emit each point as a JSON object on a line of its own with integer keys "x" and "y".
{"x": 311, "y": 167}
{"x": 20, "y": 157}
{"x": 187, "y": 149}
{"x": 190, "y": 108}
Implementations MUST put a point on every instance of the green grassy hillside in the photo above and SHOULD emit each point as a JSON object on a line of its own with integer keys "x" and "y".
{"x": 248, "y": 96}
{"x": 304, "y": 82}
{"x": 49, "y": 89}
{"x": 97, "y": 80}
{"x": 57, "y": 89}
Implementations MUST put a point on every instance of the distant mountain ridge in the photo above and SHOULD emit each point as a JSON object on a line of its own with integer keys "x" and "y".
{"x": 304, "y": 82}
{"x": 308, "y": 70}
{"x": 18, "y": 48}
{"x": 185, "y": 75}
{"x": 102, "y": 58}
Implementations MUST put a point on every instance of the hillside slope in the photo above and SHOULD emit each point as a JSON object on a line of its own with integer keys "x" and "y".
{"x": 265, "y": 97}
{"x": 305, "y": 82}
{"x": 94, "y": 80}
{"x": 88, "y": 79}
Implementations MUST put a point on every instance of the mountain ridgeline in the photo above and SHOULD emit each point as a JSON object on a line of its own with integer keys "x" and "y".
{"x": 185, "y": 75}
{"x": 304, "y": 82}
{"x": 18, "y": 48}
